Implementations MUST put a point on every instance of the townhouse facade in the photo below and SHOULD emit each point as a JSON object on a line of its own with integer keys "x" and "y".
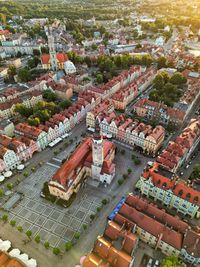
{"x": 129, "y": 131}
{"x": 9, "y": 159}
{"x": 170, "y": 191}
{"x": 178, "y": 151}
{"x": 158, "y": 111}
{"x": 39, "y": 136}
{"x": 123, "y": 97}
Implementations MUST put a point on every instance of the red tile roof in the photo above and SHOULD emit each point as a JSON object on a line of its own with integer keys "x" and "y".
{"x": 61, "y": 57}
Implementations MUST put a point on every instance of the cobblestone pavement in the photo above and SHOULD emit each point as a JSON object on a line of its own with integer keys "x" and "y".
{"x": 52, "y": 222}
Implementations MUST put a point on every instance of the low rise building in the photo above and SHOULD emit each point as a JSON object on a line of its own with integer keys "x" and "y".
{"x": 163, "y": 186}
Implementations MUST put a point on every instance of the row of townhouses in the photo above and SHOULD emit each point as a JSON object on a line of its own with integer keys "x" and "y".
{"x": 125, "y": 78}
{"x": 31, "y": 139}
{"x": 160, "y": 185}
{"x": 152, "y": 225}
{"x": 158, "y": 111}
{"x": 178, "y": 151}
{"x": 29, "y": 99}
{"x": 132, "y": 132}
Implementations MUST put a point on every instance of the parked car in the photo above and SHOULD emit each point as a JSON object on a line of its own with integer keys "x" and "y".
{"x": 187, "y": 166}
{"x": 156, "y": 264}
{"x": 149, "y": 264}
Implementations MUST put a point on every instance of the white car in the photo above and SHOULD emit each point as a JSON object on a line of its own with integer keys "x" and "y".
{"x": 149, "y": 262}
{"x": 187, "y": 166}
{"x": 156, "y": 264}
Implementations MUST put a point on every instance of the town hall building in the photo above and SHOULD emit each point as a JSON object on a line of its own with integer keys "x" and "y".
{"x": 92, "y": 158}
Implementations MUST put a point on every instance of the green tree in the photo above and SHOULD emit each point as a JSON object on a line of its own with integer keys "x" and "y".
{"x": 92, "y": 216}
{"x": 77, "y": 235}
{"x": 12, "y": 72}
{"x": 65, "y": 104}
{"x": 23, "y": 110}
{"x": 158, "y": 82}
{"x": 68, "y": 245}
{"x": 120, "y": 181}
{"x": 99, "y": 78}
{"x": 13, "y": 223}
{"x": 104, "y": 201}
{"x": 94, "y": 46}
{"x": 171, "y": 261}
{"x": 29, "y": 233}
{"x": 24, "y": 75}
{"x": 49, "y": 95}
{"x": 129, "y": 170}
{"x": 46, "y": 244}
{"x": 178, "y": 79}
{"x": 5, "y": 217}
{"x": 10, "y": 186}
{"x": 162, "y": 62}
{"x": 37, "y": 239}
{"x": 1, "y": 192}
{"x": 56, "y": 251}
{"x": 36, "y": 52}
{"x": 19, "y": 54}
{"x": 33, "y": 121}
{"x": 165, "y": 76}
{"x": 19, "y": 228}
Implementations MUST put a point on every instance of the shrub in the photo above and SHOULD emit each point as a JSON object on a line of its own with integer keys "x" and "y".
{"x": 46, "y": 244}
{"x": 12, "y": 222}
{"x": 25, "y": 174}
{"x": 37, "y": 239}
{"x": 33, "y": 169}
{"x": 68, "y": 245}
{"x": 56, "y": 251}
{"x": 19, "y": 228}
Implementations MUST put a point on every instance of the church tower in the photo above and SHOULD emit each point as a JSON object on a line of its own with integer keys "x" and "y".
{"x": 52, "y": 51}
{"x": 97, "y": 152}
